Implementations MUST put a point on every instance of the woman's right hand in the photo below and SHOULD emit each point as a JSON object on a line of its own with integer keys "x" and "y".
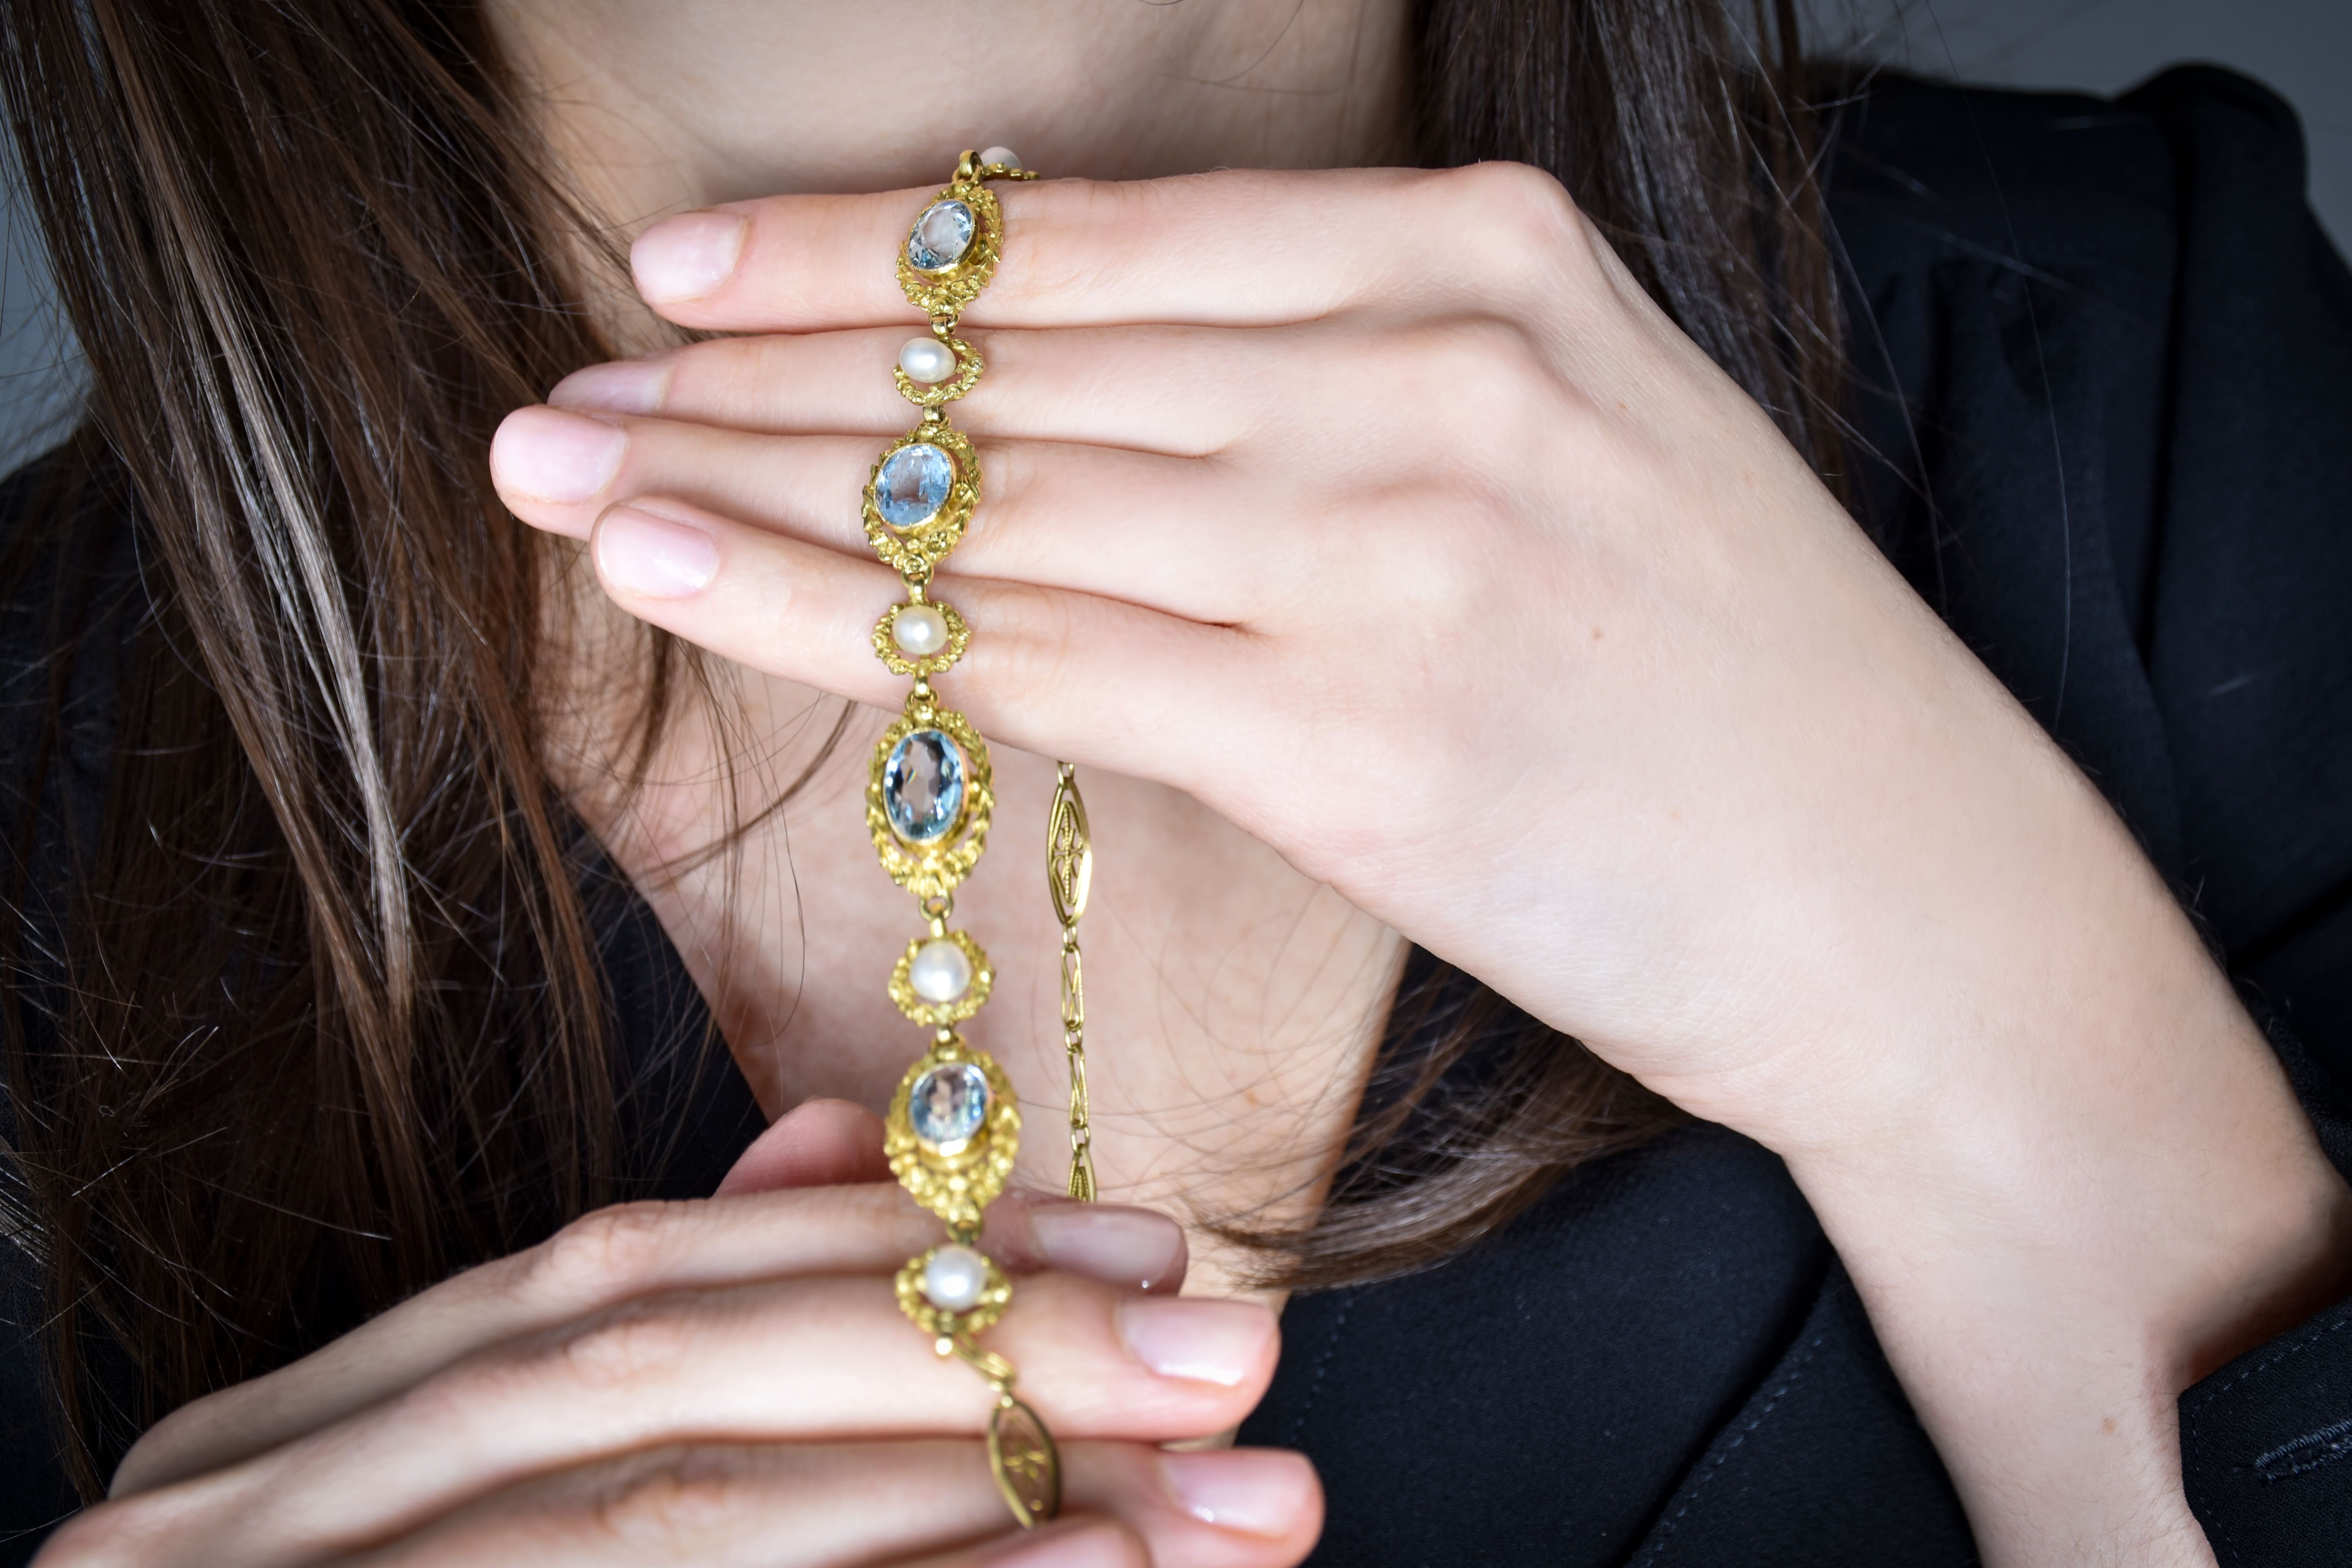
{"x": 731, "y": 1381}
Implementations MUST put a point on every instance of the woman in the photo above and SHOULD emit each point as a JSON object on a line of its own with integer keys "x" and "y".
{"x": 1403, "y": 563}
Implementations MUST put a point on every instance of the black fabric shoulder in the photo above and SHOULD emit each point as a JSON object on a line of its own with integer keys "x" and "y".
{"x": 2250, "y": 644}
{"x": 2107, "y": 356}
{"x": 2252, "y": 663}
{"x": 1671, "y": 1315}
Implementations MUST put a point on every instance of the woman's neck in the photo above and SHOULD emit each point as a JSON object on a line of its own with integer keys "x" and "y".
{"x": 663, "y": 105}
{"x": 1233, "y": 1005}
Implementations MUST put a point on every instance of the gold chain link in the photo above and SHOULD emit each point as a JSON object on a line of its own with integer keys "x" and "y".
{"x": 1069, "y": 873}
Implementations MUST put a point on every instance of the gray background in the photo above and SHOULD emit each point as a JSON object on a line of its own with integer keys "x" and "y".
{"x": 2302, "y": 47}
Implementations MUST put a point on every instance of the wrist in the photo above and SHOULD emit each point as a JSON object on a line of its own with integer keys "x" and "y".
{"x": 2064, "y": 1222}
{"x": 2128, "y": 1150}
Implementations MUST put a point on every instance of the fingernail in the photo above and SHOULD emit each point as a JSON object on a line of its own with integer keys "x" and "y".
{"x": 686, "y": 256}
{"x": 630, "y": 386}
{"x": 1194, "y": 1337}
{"x": 654, "y": 557}
{"x": 1090, "y": 1544}
{"x": 1134, "y": 1248}
{"x": 1259, "y": 1491}
{"x": 549, "y": 454}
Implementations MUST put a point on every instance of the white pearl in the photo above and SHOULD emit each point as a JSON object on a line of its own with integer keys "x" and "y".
{"x": 940, "y": 973}
{"x": 1005, "y": 155}
{"x": 954, "y": 1277}
{"x": 920, "y": 630}
{"x": 927, "y": 361}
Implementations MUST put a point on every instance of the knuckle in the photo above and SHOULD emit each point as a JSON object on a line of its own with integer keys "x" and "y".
{"x": 1034, "y": 651}
{"x": 672, "y": 1505}
{"x": 1044, "y": 256}
{"x": 162, "y": 1451}
{"x": 85, "y": 1540}
{"x": 1490, "y": 384}
{"x": 106, "y": 1536}
{"x": 625, "y": 1348}
{"x": 1523, "y": 222}
{"x": 601, "y": 1255}
{"x": 730, "y": 377}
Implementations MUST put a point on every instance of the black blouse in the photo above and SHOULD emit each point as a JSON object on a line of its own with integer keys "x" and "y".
{"x": 2105, "y": 366}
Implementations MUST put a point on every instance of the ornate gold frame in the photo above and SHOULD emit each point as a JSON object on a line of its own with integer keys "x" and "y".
{"x": 914, "y": 552}
{"x": 947, "y": 291}
{"x": 932, "y": 870}
{"x": 885, "y": 647}
{"x": 939, "y": 1014}
{"x": 955, "y": 1187}
{"x": 937, "y": 1321}
{"x": 968, "y": 364}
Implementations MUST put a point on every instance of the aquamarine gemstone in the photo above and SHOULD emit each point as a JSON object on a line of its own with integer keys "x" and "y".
{"x": 947, "y": 1103}
{"x": 941, "y": 236}
{"x": 913, "y": 485}
{"x": 922, "y": 785}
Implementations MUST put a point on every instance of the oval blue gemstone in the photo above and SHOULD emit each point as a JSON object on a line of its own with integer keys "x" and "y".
{"x": 947, "y": 1103}
{"x": 913, "y": 485}
{"x": 941, "y": 236}
{"x": 922, "y": 785}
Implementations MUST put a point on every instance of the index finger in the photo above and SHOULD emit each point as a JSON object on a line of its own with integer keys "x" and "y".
{"x": 1237, "y": 247}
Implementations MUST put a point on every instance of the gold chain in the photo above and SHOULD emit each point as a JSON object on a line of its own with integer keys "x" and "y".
{"x": 1069, "y": 871}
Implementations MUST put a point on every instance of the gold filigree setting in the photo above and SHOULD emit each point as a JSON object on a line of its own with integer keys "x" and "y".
{"x": 939, "y": 1014}
{"x": 968, "y": 364}
{"x": 937, "y": 1321}
{"x": 914, "y": 552}
{"x": 933, "y": 869}
{"x": 945, "y": 290}
{"x": 899, "y": 662}
{"x": 956, "y": 1181}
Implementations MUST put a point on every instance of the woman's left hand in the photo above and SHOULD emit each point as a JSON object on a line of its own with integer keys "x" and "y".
{"x": 1384, "y": 513}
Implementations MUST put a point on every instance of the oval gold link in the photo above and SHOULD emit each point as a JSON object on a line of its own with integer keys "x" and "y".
{"x": 1069, "y": 849}
{"x": 1074, "y": 986}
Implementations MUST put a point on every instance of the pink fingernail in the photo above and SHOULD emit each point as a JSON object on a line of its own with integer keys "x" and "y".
{"x": 1195, "y": 1338}
{"x": 1259, "y": 1491}
{"x": 686, "y": 256}
{"x": 545, "y": 454}
{"x": 654, "y": 557}
{"x": 1129, "y": 1246}
{"x": 630, "y": 386}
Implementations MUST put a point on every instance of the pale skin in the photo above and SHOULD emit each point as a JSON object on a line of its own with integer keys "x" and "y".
{"x": 1451, "y": 508}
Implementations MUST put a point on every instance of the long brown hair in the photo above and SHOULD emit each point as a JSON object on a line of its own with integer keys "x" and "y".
{"x": 307, "y": 1012}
